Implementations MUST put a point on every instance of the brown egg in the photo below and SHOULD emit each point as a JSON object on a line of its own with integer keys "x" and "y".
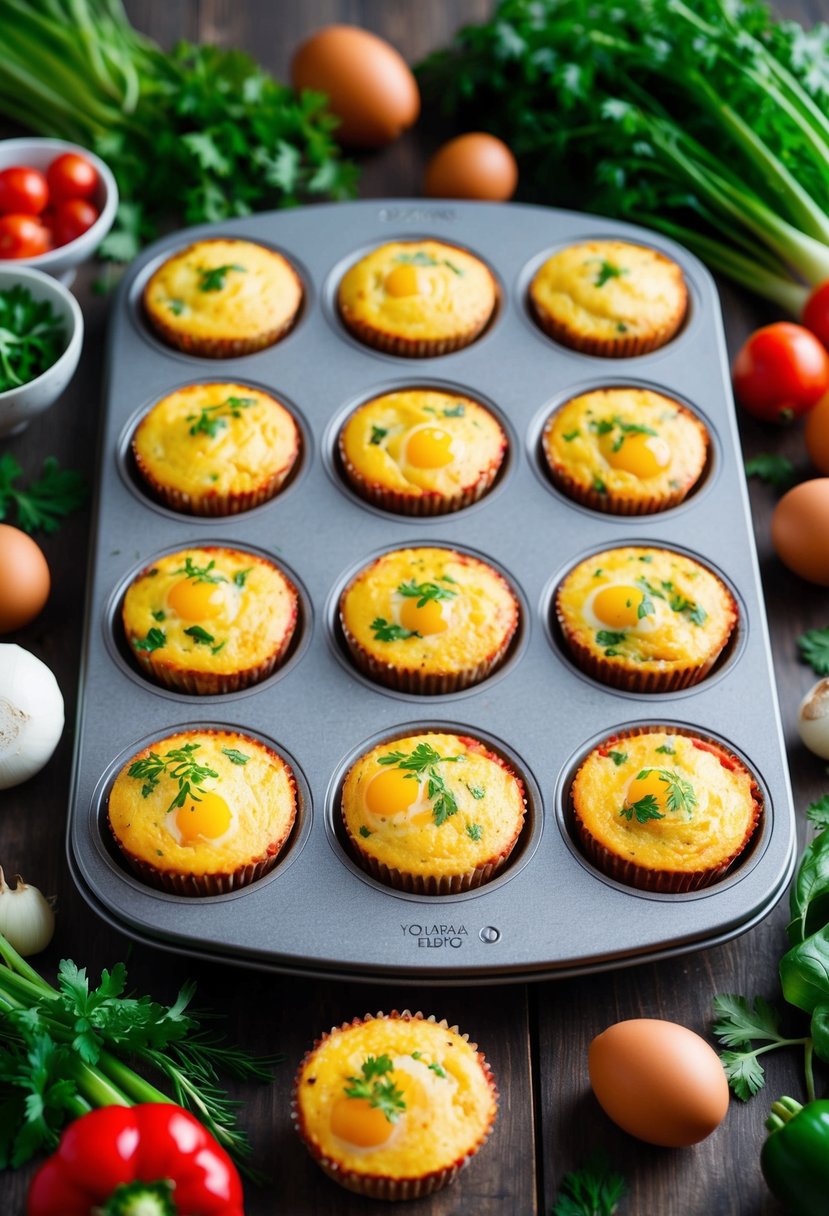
{"x": 24, "y": 579}
{"x": 659, "y": 1081}
{"x": 472, "y": 166}
{"x": 370, "y": 87}
{"x": 816, "y": 434}
{"x": 800, "y": 530}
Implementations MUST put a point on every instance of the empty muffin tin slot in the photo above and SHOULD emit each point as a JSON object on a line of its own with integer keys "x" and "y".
{"x": 522, "y": 851}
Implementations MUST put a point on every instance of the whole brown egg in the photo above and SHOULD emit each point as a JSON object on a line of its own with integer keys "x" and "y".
{"x": 369, "y": 85}
{"x": 24, "y": 579}
{"x": 475, "y": 165}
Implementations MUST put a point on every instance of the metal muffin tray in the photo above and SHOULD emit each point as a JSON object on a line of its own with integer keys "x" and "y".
{"x": 317, "y": 913}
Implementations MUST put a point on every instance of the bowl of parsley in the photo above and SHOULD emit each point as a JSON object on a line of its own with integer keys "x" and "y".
{"x": 41, "y": 334}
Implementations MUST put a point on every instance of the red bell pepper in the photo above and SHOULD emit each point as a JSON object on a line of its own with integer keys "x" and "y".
{"x": 153, "y": 1159}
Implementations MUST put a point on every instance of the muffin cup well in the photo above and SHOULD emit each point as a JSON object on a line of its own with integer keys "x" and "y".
{"x": 673, "y": 882}
{"x": 413, "y": 348}
{"x": 382, "y": 1186}
{"x": 625, "y": 346}
{"x": 611, "y": 504}
{"x": 429, "y": 502}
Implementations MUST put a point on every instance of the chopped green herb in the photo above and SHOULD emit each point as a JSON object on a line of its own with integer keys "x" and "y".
{"x": 221, "y": 646}
{"x": 364, "y": 832}
{"x": 456, "y": 411}
{"x": 155, "y": 639}
{"x": 200, "y": 574}
{"x": 386, "y": 631}
{"x": 814, "y": 649}
{"x": 384, "y": 1095}
{"x": 618, "y": 758}
{"x": 422, "y": 762}
{"x": 378, "y": 434}
{"x": 235, "y": 756}
{"x": 240, "y": 577}
{"x": 818, "y": 813}
{"x": 599, "y": 486}
{"x": 775, "y": 470}
{"x": 424, "y": 592}
{"x": 176, "y": 307}
{"x": 646, "y": 557}
{"x": 477, "y": 791}
{"x": 213, "y": 278}
{"x": 213, "y": 418}
{"x": 180, "y": 765}
{"x": 569, "y": 436}
{"x": 418, "y": 258}
{"x": 608, "y": 271}
{"x": 198, "y": 634}
{"x": 667, "y": 749}
{"x": 474, "y": 831}
{"x": 32, "y": 337}
{"x": 159, "y": 615}
{"x": 609, "y": 637}
{"x": 44, "y": 504}
{"x": 644, "y": 809}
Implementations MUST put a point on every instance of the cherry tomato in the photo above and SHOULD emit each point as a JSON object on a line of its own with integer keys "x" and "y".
{"x": 22, "y": 236}
{"x": 780, "y": 372}
{"x": 71, "y": 176}
{"x": 72, "y": 218}
{"x": 816, "y": 313}
{"x": 23, "y": 191}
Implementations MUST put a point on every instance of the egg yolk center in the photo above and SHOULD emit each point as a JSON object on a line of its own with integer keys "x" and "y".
{"x": 424, "y": 619}
{"x": 642, "y": 455}
{"x": 209, "y": 817}
{"x": 391, "y": 791}
{"x": 194, "y": 601}
{"x": 402, "y": 281}
{"x": 358, "y": 1122}
{"x": 654, "y": 786}
{"x": 429, "y": 447}
{"x": 618, "y": 606}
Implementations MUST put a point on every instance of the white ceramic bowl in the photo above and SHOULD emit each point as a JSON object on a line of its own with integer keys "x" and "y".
{"x": 19, "y": 405}
{"x": 39, "y": 154}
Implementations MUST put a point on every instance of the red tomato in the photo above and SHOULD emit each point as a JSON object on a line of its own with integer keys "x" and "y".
{"x": 23, "y": 191}
{"x": 780, "y": 372}
{"x": 71, "y": 176}
{"x": 22, "y": 236}
{"x": 816, "y": 313}
{"x": 72, "y": 218}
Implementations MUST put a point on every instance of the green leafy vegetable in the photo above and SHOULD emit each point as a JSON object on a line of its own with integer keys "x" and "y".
{"x": 155, "y": 639}
{"x": 370, "y": 1086}
{"x": 63, "y": 1050}
{"x": 422, "y": 762}
{"x": 814, "y": 649}
{"x": 180, "y": 765}
{"x": 775, "y": 470}
{"x": 212, "y": 278}
{"x": 474, "y": 831}
{"x": 235, "y": 756}
{"x": 213, "y": 418}
{"x": 199, "y": 134}
{"x": 32, "y": 337}
{"x": 818, "y": 813}
{"x": 200, "y": 635}
{"x": 707, "y": 120}
{"x": 739, "y": 1023}
{"x": 594, "y": 1190}
{"x": 378, "y": 434}
{"x": 240, "y": 577}
{"x": 200, "y": 574}
{"x": 424, "y": 592}
{"x": 56, "y": 494}
{"x": 608, "y": 271}
{"x": 618, "y": 757}
{"x": 386, "y": 631}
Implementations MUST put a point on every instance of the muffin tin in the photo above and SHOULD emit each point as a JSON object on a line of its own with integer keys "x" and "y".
{"x": 317, "y": 913}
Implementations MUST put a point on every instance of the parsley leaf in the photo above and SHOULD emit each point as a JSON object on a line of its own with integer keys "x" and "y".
{"x": 32, "y": 337}
{"x": 474, "y": 831}
{"x": 608, "y": 271}
{"x": 386, "y": 631}
{"x": 378, "y": 434}
{"x": 213, "y": 418}
{"x": 200, "y": 574}
{"x": 198, "y": 634}
{"x": 455, "y": 411}
{"x": 212, "y": 278}
{"x": 593, "y": 1190}
{"x": 383, "y": 1095}
{"x": 609, "y": 637}
{"x": 422, "y": 762}
{"x": 240, "y": 577}
{"x": 180, "y": 765}
{"x": 644, "y": 809}
{"x": 235, "y": 756}
{"x": 818, "y": 813}
{"x": 775, "y": 470}
{"x": 424, "y": 592}
{"x": 739, "y": 1022}
{"x": 680, "y": 794}
{"x": 814, "y": 649}
{"x": 155, "y": 639}
{"x": 618, "y": 758}
{"x": 56, "y": 494}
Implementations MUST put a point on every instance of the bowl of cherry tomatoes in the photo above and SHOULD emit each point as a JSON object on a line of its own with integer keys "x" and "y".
{"x": 57, "y": 203}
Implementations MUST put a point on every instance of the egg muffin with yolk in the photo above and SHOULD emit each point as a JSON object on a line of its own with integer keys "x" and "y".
{"x": 202, "y": 812}
{"x": 221, "y": 298}
{"x": 433, "y": 814}
{"x": 645, "y": 619}
{"x": 210, "y": 620}
{"x": 428, "y": 620}
{"x": 216, "y": 449}
{"x": 393, "y": 1106}
{"x": 417, "y": 298}
{"x": 627, "y": 451}
{"x": 609, "y": 298}
{"x": 664, "y": 809}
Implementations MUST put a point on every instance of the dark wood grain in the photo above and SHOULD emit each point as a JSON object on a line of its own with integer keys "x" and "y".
{"x": 536, "y": 1038}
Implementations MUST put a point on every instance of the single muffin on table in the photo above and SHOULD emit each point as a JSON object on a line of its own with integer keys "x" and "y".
{"x": 664, "y": 809}
{"x": 428, "y": 620}
{"x": 432, "y": 813}
{"x": 210, "y": 620}
{"x": 609, "y": 298}
{"x": 421, "y": 451}
{"x": 417, "y": 298}
{"x": 221, "y": 298}
{"x": 203, "y": 812}
{"x": 216, "y": 449}
{"x": 394, "y": 1106}
{"x": 644, "y": 619}
{"x": 627, "y": 451}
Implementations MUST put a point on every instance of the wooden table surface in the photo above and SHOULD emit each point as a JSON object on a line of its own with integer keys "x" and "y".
{"x": 536, "y": 1037}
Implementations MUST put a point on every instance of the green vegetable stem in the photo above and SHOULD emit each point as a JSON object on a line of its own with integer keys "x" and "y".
{"x": 795, "y": 1157}
{"x": 222, "y": 137}
{"x": 705, "y": 119}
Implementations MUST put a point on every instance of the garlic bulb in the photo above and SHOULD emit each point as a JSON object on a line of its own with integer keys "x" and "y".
{"x": 813, "y": 719}
{"x": 26, "y": 918}
{"x": 31, "y": 715}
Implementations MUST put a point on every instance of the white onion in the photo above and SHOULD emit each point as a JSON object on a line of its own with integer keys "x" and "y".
{"x": 813, "y": 719}
{"x": 26, "y": 918}
{"x": 31, "y": 715}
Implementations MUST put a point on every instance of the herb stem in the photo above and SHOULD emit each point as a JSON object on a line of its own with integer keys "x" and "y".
{"x": 809, "y": 1072}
